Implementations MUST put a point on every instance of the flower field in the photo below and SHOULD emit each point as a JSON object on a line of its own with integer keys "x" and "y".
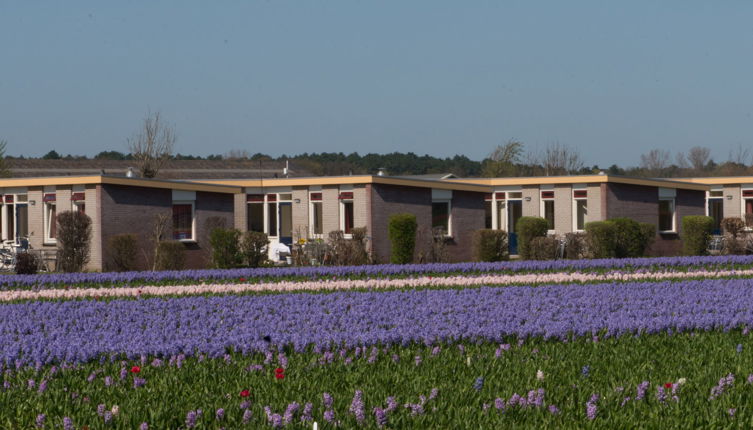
{"x": 654, "y": 343}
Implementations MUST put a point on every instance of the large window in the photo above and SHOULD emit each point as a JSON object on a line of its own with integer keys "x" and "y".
{"x": 440, "y": 216}
{"x": 255, "y": 213}
{"x": 316, "y": 219}
{"x": 580, "y": 209}
{"x": 667, "y": 210}
{"x": 183, "y": 221}
{"x": 15, "y": 216}
{"x": 347, "y": 217}
{"x": 50, "y": 224}
{"x": 547, "y": 207}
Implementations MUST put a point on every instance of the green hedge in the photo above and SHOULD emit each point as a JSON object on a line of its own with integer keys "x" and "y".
{"x": 528, "y": 228}
{"x": 490, "y": 245}
{"x": 696, "y": 233}
{"x": 226, "y": 253}
{"x": 619, "y": 237}
{"x": 402, "y": 232}
{"x": 601, "y": 238}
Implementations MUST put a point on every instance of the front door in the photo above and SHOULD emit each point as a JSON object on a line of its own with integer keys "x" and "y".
{"x": 514, "y": 212}
{"x": 286, "y": 223}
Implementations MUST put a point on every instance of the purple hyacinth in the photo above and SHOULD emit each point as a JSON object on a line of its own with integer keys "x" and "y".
{"x": 289, "y": 412}
{"x": 282, "y": 360}
{"x": 739, "y": 348}
{"x": 246, "y": 416}
{"x": 308, "y": 409}
{"x": 434, "y": 393}
{"x": 391, "y": 404}
{"x": 31, "y": 384}
{"x": 144, "y": 426}
{"x": 123, "y": 374}
{"x": 138, "y": 382}
{"x": 591, "y": 408}
{"x": 357, "y": 407}
{"x": 585, "y": 371}
{"x": 67, "y": 423}
{"x": 42, "y": 386}
{"x": 329, "y": 416}
{"x": 101, "y": 409}
{"x": 478, "y": 384}
{"x": 107, "y": 416}
{"x": 499, "y": 404}
{"x": 380, "y": 416}
{"x": 219, "y": 415}
{"x": 191, "y": 419}
{"x": 245, "y": 404}
{"x": 554, "y": 410}
{"x": 436, "y": 350}
{"x": 327, "y": 400}
{"x": 641, "y": 390}
{"x": 395, "y": 358}
{"x": 40, "y": 420}
{"x": 661, "y": 395}
{"x": 108, "y": 381}
{"x": 724, "y": 382}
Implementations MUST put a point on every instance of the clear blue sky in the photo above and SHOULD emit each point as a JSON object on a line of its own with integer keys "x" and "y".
{"x": 612, "y": 79}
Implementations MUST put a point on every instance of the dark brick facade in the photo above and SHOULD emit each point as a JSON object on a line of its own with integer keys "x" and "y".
{"x": 132, "y": 210}
{"x": 467, "y": 215}
{"x": 641, "y": 203}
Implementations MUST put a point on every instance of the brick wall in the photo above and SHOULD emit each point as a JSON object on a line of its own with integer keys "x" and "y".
{"x": 641, "y": 203}
{"x": 467, "y": 217}
{"x": 300, "y": 213}
{"x": 36, "y": 216}
{"x": 92, "y": 196}
{"x": 732, "y": 208}
{"x": 387, "y": 200}
{"x": 533, "y": 207}
{"x": 563, "y": 209}
{"x": 240, "y": 211}
{"x": 330, "y": 209}
{"x": 132, "y": 210}
{"x": 594, "y": 204}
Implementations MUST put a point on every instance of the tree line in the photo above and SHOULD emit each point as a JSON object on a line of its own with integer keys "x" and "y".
{"x": 154, "y": 142}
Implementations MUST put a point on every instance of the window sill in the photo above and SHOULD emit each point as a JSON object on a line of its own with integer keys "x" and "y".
{"x": 50, "y": 242}
{"x": 186, "y": 240}
{"x": 667, "y": 232}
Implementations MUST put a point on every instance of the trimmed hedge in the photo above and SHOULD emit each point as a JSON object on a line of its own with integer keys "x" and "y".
{"x": 73, "y": 240}
{"x": 226, "y": 253}
{"x": 490, "y": 245}
{"x": 619, "y": 238}
{"x": 544, "y": 248}
{"x": 253, "y": 248}
{"x": 528, "y": 228}
{"x": 122, "y": 252}
{"x": 696, "y": 233}
{"x": 601, "y": 238}
{"x": 171, "y": 255}
{"x": 402, "y": 233}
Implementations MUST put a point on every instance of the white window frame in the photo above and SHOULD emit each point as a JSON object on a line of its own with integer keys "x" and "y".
{"x": 47, "y": 226}
{"x": 668, "y": 194}
{"x": 542, "y": 208}
{"x": 449, "y": 214}
{"x": 9, "y": 212}
{"x": 743, "y": 199}
{"x": 575, "y": 209}
{"x": 311, "y": 215}
{"x": 341, "y": 205}
{"x": 193, "y": 219}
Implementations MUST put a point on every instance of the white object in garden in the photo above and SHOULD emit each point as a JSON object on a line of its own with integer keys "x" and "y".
{"x": 277, "y": 249}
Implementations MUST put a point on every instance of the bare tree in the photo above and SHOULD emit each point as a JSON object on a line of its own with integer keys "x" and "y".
{"x": 237, "y": 154}
{"x": 699, "y": 157}
{"x": 560, "y": 159}
{"x": 5, "y": 171}
{"x": 655, "y": 162}
{"x": 160, "y": 231}
{"x": 740, "y": 155}
{"x": 502, "y": 161}
{"x": 153, "y": 145}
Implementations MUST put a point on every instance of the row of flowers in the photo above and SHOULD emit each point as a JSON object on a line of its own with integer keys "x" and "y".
{"x": 371, "y": 271}
{"x": 79, "y": 331}
{"x": 367, "y": 284}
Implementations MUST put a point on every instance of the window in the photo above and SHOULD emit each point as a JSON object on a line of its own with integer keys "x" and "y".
{"x": 183, "y": 221}
{"x": 78, "y": 199}
{"x": 580, "y": 206}
{"x": 440, "y": 216}
{"x": 667, "y": 210}
{"x": 255, "y": 213}
{"x": 316, "y": 220}
{"x": 667, "y": 215}
{"x": 346, "y": 212}
{"x": 15, "y": 215}
{"x": 50, "y": 224}
{"x": 547, "y": 207}
{"x": 488, "y": 217}
{"x": 747, "y": 202}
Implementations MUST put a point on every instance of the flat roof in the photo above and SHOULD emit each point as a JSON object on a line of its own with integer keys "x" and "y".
{"x": 583, "y": 179}
{"x": 719, "y": 180}
{"x": 353, "y": 180}
{"x": 118, "y": 180}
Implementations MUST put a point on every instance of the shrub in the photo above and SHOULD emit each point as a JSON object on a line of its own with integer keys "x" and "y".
{"x": 26, "y": 263}
{"x": 226, "y": 253}
{"x": 490, "y": 245}
{"x": 254, "y": 248}
{"x": 122, "y": 252}
{"x": 73, "y": 240}
{"x": 544, "y": 248}
{"x": 528, "y": 228}
{"x": 575, "y": 246}
{"x": 601, "y": 239}
{"x": 347, "y": 252}
{"x": 696, "y": 233}
{"x": 171, "y": 255}
{"x": 632, "y": 238}
{"x": 733, "y": 226}
{"x": 402, "y": 233}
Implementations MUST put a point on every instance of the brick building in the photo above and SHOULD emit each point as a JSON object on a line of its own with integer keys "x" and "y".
{"x": 289, "y": 209}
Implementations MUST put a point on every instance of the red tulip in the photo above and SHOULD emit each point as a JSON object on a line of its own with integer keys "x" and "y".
{"x": 279, "y": 370}
{"x": 135, "y": 369}
{"x": 280, "y": 376}
{"x": 245, "y": 393}
{"x": 668, "y": 385}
